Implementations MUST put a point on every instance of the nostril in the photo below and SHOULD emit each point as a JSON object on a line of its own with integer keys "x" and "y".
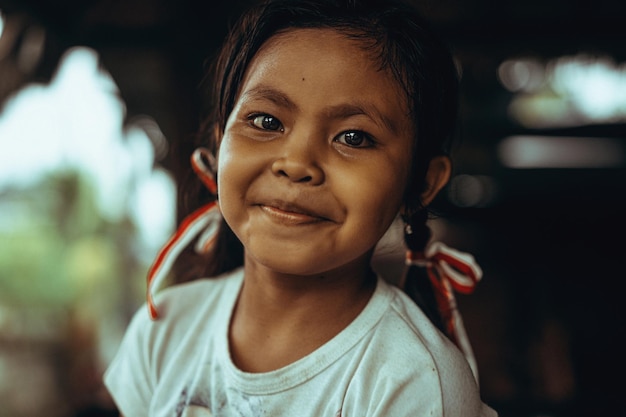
{"x": 306, "y": 178}
{"x": 297, "y": 172}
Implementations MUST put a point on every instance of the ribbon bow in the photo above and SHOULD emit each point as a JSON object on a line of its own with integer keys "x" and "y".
{"x": 448, "y": 270}
{"x": 203, "y": 221}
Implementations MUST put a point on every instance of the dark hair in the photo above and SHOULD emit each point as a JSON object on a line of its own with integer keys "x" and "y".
{"x": 398, "y": 39}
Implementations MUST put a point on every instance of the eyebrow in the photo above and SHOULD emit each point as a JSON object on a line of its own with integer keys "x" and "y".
{"x": 343, "y": 111}
{"x": 337, "y": 112}
{"x": 277, "y": 97}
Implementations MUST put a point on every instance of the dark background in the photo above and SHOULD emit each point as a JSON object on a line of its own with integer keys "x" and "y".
{"x": 547, "y": 322}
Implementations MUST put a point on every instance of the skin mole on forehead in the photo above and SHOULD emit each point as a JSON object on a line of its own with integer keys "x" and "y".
{"x": 302, "y": 78}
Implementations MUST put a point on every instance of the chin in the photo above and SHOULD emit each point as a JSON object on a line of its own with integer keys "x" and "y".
{"x": 307, "y": 262}
{"x": 291, "y": 266}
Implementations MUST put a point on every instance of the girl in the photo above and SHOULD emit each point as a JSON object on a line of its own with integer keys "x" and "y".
{"x": 331, "y": 118}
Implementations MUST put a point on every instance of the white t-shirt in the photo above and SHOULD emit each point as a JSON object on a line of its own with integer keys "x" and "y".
{"x": 390, "y": 361}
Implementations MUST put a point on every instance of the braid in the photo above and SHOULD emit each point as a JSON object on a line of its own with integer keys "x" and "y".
{"x": 417, "y": 233}
{"x": 416, "y": 283}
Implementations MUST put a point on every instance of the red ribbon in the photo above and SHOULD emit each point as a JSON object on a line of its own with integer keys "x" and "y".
{"x": 204, "y": 221}
{"x": 448, "y": 270}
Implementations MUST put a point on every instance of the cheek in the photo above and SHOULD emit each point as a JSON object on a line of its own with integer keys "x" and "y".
{"x": 230, "y": 178}
{"x": 232, "y": 162}
{"x": 377, "y": 194}
{"x": 224, "y": 159}
{"x": 223, "y": 166}
{"x": 238, "y": 169}
{"x": 391, "y": 177}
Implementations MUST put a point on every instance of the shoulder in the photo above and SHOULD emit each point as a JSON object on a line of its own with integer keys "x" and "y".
{"x": 412, "y": 333}
{"x": 420, "y": 368}
{"x": 188, "y": 314}
{"x": 196, "y": 307}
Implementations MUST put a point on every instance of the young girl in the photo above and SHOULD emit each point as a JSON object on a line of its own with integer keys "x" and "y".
{"x": 331, "y": 118}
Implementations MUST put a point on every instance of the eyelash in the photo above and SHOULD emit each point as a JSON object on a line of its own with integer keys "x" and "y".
{"x": 365, "y": 137}
{"x": 255, "y": 116}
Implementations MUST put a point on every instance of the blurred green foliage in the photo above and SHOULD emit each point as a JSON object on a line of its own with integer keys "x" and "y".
{"x": 57, "y": 248}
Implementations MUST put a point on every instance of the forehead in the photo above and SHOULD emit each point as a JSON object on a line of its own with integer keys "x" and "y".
{"x": 302, "y": 37}
{"x": 324, "y": 58}
{"x": 333, "y": 45}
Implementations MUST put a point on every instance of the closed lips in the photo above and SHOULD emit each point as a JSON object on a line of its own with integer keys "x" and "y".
{"x": 290, "y": 210}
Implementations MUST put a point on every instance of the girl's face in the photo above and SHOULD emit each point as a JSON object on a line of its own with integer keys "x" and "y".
{"x": 315, "y": 155}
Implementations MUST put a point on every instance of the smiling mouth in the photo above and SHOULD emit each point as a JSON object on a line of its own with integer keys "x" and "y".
{"x": 291, "y": 215}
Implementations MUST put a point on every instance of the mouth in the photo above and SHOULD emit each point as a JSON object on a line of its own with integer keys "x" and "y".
{"x": 292, "y": 214}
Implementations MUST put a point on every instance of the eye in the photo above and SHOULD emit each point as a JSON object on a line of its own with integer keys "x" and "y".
{"x": 266, "y": 122}
{"x": 355, "y": 139}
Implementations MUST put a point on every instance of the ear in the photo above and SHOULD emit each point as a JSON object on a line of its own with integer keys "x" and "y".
{"x": 437, "y": 176}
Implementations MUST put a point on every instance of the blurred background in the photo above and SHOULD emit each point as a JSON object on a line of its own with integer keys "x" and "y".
{"x": 93, "y": 92}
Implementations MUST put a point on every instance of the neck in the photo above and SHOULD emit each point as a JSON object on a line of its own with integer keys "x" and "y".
{"x": 280, "y": 318}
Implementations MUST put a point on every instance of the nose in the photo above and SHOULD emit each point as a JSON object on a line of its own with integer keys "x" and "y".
{"x": 298, "y": 162}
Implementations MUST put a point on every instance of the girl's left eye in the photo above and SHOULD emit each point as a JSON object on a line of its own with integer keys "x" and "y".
{"x": 355, "y": 139}
{"x": 266, "y": 122}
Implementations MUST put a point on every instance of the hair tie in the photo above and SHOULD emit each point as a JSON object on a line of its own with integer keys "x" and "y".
{"x": 203, "y": 222}
{"x": 448, "y": 270}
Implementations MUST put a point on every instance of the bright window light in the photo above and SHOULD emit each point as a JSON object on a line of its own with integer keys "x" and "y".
{"x": 597, "y": 87}
{"x": 560, "y": 152}
{"x": 565, "y": 92}
{"x": 76, "y": 124}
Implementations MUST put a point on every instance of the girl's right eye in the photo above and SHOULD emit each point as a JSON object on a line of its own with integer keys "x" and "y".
{"x": 266, "y": 122}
